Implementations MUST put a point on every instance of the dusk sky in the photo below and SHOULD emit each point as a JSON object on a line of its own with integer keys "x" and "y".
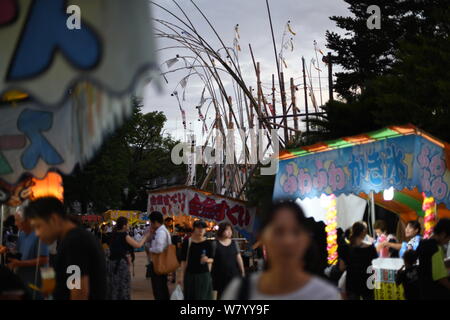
{"x": 309, "y": 19}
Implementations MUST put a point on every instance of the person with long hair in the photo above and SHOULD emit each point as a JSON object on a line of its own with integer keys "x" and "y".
{"x": 118, "y": 268}
{"x": 228, "y": 262}
{"x": 290, "y": 272}
{"x": 359, "y": 258}
{"x": 196, "y": 261}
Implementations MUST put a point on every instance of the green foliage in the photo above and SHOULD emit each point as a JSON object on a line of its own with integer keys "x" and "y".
{"x": 127, "y": 161}
{"x": 400, "y": 71}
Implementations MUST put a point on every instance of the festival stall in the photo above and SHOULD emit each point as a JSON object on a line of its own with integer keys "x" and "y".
{"x": 403, "y": 168}
{"x": 134, "y": 217}
{"x": 91, "y": 218}
{"x": 187, "y": 204}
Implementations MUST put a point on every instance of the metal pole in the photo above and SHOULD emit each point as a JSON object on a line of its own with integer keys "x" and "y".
{"x": 372, "y": 212}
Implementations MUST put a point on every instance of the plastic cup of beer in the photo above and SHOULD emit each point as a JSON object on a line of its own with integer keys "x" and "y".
{"x": 48, "y": 280}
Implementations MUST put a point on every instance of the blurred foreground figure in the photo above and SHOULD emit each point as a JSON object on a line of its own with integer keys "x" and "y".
{"x": 433, "y": 274}
{"x": 80, "y": 261}
{"x": 292, "y": 262}
{"x": 357, "y": 261}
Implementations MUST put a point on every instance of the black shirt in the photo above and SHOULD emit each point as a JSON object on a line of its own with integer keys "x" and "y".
{"x": 431, "y": 268}
{"x": 118, "y": 246}
{"x": 225, "y": 266}
{"x": 359, "y": 259}
{"x": 409, "y": 278}
{"x": 195, "y": 254}
{"x": 80, "y": 248}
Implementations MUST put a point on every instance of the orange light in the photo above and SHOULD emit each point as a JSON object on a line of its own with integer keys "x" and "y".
{"x": 50, "y": 186}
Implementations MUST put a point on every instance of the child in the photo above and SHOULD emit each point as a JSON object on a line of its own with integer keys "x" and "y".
{"x": 408, "y": 275}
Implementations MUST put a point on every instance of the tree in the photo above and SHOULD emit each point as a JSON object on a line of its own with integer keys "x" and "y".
{"x": 401, "y": 70}
{"x": 363, "y": 53}
{"x": 117, "y": 178}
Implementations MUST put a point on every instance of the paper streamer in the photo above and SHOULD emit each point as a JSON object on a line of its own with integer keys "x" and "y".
{"x": 429, "y": 206}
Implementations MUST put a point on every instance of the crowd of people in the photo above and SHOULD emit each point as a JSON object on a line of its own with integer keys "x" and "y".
{"x": 95, "y": 262}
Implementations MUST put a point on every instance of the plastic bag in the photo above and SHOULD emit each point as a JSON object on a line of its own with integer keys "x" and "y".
{"x": 177, "y": 294}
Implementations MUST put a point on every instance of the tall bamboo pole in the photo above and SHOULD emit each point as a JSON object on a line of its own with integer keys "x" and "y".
{"x": 306, "y": 96}
{"x": 294, "y": 103}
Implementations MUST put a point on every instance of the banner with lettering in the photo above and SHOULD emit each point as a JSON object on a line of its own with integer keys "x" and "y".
{"x": 188, "y": 201}
{"x": 49, "y": 46}
{"x": 402, "y": 162}
{"x": 34, "y": 140}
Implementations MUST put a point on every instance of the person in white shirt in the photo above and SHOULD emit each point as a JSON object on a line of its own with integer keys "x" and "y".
{"x": 289, "y": 274}
{"x": 160, "y": 241}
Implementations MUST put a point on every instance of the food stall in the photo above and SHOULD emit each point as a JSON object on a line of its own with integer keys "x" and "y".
{"x": 187, "y": 204}
{"x": 134, "y": 217}
{"x": 400, "y": 168}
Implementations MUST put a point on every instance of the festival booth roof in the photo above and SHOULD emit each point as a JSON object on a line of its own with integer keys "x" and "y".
{"x": 184, "y": 200}
{"x": 403, "y": 157}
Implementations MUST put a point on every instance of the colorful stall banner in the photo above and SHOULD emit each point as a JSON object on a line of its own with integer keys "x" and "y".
{"x": 402, "y": 162}
{"x": 34, "y": 140}
{"x": 73, "y": 81}
{"x": 385, "y": 272}
{"x": 188, "y": 201}
{"x": 48, "y": 46}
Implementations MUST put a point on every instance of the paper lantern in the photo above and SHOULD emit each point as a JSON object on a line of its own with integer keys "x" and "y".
{"x": 50, "y": 186}
{"x": 331, "y": 229}
{"x": 429, "y": 206}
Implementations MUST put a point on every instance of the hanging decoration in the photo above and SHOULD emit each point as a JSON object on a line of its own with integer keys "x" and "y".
{"x": 331, "y": 229}
{"x": 429, "y": 206}
{"x": 63, "y": 90}
{"x": 236, "y": 38}
{"x": 290, "y": 28}
{"x": 171, "y": 62}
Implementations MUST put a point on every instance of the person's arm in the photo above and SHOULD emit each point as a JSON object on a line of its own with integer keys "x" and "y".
{"x": 134, "y": 243}
{"x": 342, "y": 265}
{"x": 15, "y": 263}
{"x": 183, "y": 258}
{"x": 396, "y": 246}
{"x": 240, "y": 264}
{"x": 83, "y": 292}
{"x": 445, "y": 283}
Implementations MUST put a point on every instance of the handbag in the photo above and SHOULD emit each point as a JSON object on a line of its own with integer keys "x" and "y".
{"x": 166, "y": 262}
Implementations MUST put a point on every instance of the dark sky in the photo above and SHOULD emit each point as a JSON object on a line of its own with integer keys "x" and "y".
{"x": 309, "y": 19}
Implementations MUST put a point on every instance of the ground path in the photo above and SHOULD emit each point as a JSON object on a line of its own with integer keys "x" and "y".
{"x": 141, "y": 288}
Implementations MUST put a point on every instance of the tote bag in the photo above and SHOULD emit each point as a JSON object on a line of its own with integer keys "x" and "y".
{"x": 166, "y": 262}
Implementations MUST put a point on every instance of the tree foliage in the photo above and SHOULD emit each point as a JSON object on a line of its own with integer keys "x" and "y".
{"x": 117, "y": 178}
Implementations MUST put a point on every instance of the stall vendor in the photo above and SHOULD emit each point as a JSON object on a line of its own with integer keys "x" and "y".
{"x": 412, "y": 233}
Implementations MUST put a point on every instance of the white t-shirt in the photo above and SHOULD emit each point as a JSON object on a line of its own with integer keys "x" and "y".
{"x": 315, "y": 289}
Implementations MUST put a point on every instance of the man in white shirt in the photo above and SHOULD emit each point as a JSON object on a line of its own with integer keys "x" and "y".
{"x": 161, "y": 239}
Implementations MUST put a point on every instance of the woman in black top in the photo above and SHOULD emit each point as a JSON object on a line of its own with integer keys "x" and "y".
{"x": 119, "y": 277}
{"x": 228, "y": 262}
{"x": 359, "y": 258}
{"x": 195, "y": 265}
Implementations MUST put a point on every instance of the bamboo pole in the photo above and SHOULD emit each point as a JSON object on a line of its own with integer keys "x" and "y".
{"x": 273, "y": 98}
{"x": 258, "y": 79}
{"x": 283, "y": 101}
{"x": 294, "y": 103}
{"x": 306, "y": 96}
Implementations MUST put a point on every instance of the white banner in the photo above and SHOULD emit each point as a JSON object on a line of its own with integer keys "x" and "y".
{"x": 205, "y": 206}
